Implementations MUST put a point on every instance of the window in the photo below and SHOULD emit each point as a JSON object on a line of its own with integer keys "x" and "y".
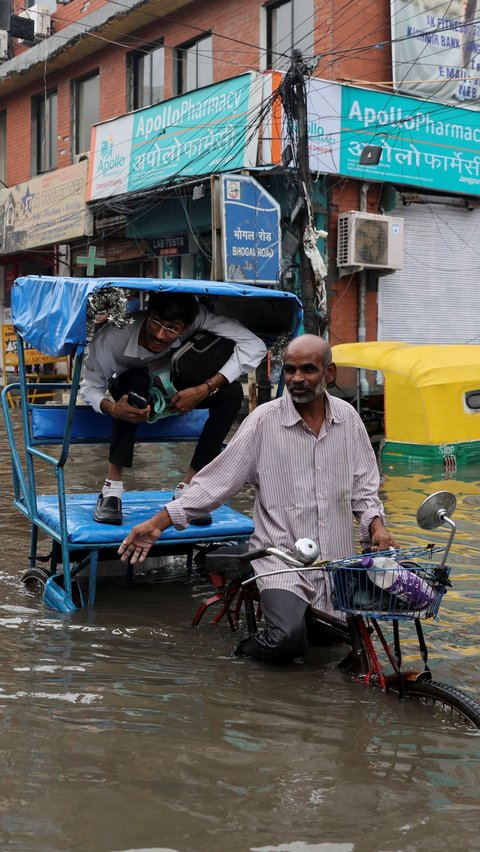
{"x": 44, "y": 133}
{"x": 194, "y": 65}
{"x": 472, "y": 400}
{"x": 86, "y": 111}
{"x": 51, "y": 5}
{"x": 148, "y": 76}
{"x": 3, "y": 148}
{"x": 5, "y": 12}
{"x": 289, "y": 26}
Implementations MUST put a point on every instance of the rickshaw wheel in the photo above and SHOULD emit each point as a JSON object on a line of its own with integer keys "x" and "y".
{"x": 35, "y": 579}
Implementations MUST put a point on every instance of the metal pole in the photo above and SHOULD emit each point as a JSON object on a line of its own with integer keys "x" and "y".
{"x": 306, "y": 271}
{"x": 362, "y": 305}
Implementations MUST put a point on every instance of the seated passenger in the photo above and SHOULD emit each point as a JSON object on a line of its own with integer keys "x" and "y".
{"x": 120, "y": 360}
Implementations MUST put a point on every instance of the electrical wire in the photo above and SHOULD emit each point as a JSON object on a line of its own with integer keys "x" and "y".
{"x": 203, "y": 31}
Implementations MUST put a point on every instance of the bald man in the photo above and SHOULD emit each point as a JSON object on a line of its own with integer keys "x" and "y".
{"x": 310, "y": 460}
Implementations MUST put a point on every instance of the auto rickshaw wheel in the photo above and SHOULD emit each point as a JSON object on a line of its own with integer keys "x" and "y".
{"x": 35, "y": 579}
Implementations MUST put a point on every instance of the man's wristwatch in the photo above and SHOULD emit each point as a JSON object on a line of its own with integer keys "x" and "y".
{"x": 211, "y": 387}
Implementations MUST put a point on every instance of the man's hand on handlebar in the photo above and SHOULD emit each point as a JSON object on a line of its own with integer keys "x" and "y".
{"x": 381, "y": 538}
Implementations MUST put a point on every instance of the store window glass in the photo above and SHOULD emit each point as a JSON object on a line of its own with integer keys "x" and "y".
{"x": 148, "y": 71}
{"x": 51, "y": 5}
{"x": 86, "y": 95}
{"x": 193, "y": 65}
{"x": 290, "y": 26}
{"x": 44, "y": 133}
{"x": 5, "y": 12}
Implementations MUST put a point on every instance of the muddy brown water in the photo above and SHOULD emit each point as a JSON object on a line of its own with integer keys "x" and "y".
{"x": 122, "y": 728}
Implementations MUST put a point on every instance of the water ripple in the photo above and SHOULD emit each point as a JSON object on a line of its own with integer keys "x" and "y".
{"x": 122, "y": 728}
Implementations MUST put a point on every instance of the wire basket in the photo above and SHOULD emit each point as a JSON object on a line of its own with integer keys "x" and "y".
{"x": 412, "y": 589}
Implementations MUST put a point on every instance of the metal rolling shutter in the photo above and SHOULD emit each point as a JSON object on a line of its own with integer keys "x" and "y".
{"x": 435, "y": 298}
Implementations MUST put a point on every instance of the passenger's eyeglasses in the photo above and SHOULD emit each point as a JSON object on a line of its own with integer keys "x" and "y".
{"x": 167, "y": 328}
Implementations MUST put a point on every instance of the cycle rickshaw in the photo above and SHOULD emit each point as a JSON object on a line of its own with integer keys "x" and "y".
{"x": 55, "y": 316}
{"x": 369, "y": 595}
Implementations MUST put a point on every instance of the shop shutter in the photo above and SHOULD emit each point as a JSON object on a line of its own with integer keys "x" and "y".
{"x": 435, "y": 298}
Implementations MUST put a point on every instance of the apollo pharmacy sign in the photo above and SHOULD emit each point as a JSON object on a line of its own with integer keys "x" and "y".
{"x": 423, "y": 145}
{"x": 204, "y": 131}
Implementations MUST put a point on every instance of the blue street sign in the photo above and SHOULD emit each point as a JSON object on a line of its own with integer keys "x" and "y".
{"x": 251, "y": 231}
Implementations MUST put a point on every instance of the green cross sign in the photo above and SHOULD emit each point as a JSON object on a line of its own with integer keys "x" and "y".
{"x": 90, "y": 261}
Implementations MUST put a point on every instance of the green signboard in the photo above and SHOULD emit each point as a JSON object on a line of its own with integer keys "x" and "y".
{"x": 205, "y": 131}
{"x": 423, "y": 144}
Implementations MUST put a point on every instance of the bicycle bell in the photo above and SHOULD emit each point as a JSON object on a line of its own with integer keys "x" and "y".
{"x": 305, "y": 550}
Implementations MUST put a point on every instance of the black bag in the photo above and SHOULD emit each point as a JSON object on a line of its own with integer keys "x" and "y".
{"x": 199, "y": 358}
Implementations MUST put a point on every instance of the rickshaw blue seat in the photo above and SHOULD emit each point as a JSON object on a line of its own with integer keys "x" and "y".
{"x": 48, "y": 425}
{"x": 138, "y": 506}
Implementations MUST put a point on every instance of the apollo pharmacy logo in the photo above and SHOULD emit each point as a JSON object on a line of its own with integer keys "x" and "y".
{"x": 109, "y": 161}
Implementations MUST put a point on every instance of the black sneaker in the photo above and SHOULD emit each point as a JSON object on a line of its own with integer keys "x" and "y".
{"x": 108, "y": 510}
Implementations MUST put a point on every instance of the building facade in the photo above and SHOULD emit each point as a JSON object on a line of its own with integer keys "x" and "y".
{"x": 121, "y": 68}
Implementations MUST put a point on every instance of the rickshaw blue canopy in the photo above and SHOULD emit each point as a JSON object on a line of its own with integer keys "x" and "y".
{"x": 50, "y": 312}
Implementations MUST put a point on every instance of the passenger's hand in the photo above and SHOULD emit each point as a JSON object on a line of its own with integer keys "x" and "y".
{"x": 123, "y": 411}
{"x": 381, "y": 538}
{"x": 137, "y": 544}
{"x": 188, "y": 399}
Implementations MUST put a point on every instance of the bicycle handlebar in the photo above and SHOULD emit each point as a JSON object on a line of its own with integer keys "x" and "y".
{"x": 304, "y": 552}
{"x": 250, "y": 555}
{"x": 272, "y": 551}
{"x": 294, "y": 564}
{"x": 302, "y": 546}
{"x": 305, "y": 548}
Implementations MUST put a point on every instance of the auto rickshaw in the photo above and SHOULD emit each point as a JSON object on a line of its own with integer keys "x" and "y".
{"x": 429, "y": 396}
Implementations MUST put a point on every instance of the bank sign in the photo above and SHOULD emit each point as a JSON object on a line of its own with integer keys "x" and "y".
{"x": 200, "y": 132}
{"x": 251, "y": 231}
{"x": 435, "y": 49}
{"x": 423, "y": 144}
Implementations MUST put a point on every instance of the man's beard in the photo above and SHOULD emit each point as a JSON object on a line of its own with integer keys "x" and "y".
{"x": 305, "y": 393}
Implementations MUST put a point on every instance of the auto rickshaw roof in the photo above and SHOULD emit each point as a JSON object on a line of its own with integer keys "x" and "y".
{"x": 426, "y": 388}
{"x": 50, "y": 312}
{"x": 421, "y": 364}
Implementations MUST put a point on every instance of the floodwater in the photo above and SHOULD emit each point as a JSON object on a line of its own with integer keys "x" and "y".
{"x": 122, "y": 728}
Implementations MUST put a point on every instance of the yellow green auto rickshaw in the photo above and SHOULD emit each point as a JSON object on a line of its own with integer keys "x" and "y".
{"x": 429, "y": 396}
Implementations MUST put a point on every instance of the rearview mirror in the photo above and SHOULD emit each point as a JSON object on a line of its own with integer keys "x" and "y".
{"x": 435, "y": 509}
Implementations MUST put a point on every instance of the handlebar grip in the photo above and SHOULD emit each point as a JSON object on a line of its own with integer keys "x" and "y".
{"x": 254, "y": 554}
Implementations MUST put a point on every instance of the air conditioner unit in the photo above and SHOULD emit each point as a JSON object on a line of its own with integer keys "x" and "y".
{"x": 40, "y": 15}
{"x": 3, "y": 45}
{"x": 369, "y": 241}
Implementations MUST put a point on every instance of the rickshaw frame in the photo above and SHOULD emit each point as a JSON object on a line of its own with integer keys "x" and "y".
{"x": 39, "y": 304}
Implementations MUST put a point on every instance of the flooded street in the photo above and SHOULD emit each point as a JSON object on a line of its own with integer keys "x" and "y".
{"x": 122, "y": 728}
